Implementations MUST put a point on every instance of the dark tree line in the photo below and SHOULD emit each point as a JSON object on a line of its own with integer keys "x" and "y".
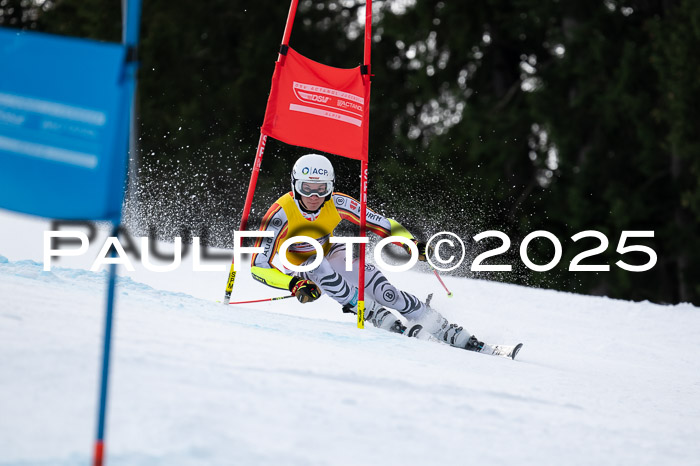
{"x": 516, "y": 115}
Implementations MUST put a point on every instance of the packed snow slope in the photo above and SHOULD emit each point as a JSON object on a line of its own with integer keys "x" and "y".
{"x": 195, "y": 382}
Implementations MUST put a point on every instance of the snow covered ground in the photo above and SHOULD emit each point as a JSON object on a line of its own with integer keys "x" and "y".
{"x": 195, "y": 382}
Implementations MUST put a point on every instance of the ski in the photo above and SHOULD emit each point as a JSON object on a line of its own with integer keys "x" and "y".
{"x": 502, "y": 350}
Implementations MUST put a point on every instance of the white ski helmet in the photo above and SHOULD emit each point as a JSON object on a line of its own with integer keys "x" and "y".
{"x": 316, "y": 169}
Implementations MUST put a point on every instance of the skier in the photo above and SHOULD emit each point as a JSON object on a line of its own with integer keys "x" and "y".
{"x": 313, "y": 209}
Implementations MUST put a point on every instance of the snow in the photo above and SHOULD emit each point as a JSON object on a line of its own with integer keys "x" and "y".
{"x": 599, "y": 381}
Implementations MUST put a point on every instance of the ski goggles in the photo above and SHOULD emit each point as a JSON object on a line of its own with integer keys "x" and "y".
{"x": 313, "y": 188}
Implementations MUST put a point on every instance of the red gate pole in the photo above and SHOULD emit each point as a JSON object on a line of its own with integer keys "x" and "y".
{"x": 366, "y": 71}
{"x": 288, "y": 30}
{"x": 259, "y": 153}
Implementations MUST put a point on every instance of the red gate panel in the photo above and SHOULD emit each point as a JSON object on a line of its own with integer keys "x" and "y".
{"x": 318, "y": 106}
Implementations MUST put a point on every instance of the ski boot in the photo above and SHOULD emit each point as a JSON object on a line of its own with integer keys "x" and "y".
{"x": 451, "y": 334}
{"x": 455, "y": 335}
{"x": 434, "y": 326}
{"x": 473, "y": 344}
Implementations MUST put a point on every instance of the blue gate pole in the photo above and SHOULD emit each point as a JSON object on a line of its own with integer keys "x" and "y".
{"x": 109, "y": 318}
{"x": 131, "y": 14}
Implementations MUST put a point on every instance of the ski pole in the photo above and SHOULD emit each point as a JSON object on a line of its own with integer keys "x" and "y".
{"x": 449, "y": 293}
{"x": 263, "y": 300}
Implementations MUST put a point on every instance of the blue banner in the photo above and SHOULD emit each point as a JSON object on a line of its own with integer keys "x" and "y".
{"x": 64, "y": 114}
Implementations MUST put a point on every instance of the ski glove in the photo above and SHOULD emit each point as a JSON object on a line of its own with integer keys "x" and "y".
{"x": 423, "y": 250}
{"x": 304, "y": 290}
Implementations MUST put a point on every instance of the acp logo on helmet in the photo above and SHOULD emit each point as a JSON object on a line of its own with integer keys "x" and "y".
{"x": 314, "y": 171}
